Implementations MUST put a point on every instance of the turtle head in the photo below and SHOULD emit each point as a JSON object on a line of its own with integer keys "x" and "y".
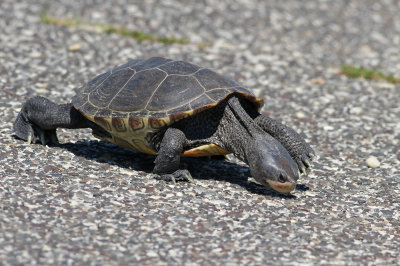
{"x": 271, "y": 164}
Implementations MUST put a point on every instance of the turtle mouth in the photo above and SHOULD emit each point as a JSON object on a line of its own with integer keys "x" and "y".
{"x": 285, "y": 187}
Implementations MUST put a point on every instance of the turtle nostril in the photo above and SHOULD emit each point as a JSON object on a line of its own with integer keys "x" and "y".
{"x": 281, "y": 178}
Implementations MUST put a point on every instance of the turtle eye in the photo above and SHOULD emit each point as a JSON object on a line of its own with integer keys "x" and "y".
{"x": 281, "y": 178}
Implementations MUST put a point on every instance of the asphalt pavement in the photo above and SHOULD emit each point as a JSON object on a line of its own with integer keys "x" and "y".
{"x": 87, "y": 202}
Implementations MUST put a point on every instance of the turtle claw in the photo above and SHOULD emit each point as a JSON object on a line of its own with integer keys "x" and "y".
{"x": 178, "y": 175}
{"x": 42, "y": 138}
{"x": 302, "y": 169}
{"x": 302, "y": 166}
{"x": 190, "y": 178}
{"x": 303, "y": 161}
{"x": 307, "y": 163}
{"x": 29, "y": 139}
{"x": 52, "y": 134}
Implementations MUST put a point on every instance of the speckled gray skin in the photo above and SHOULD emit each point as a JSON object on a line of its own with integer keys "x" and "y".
{"x": 234, "y": 124}
{"x": 87, "y": 202}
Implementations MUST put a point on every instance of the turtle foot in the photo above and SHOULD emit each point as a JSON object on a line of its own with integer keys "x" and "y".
{"x": 303, "y": 155}
{"x": 178, "y": 175}
{"x": 32, "y": 133}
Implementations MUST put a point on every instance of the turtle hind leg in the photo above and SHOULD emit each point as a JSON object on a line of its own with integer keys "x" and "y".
{"x": 297, "y": 147}
{"x": 168, "y": 158}
{"x": 39, "y": 118}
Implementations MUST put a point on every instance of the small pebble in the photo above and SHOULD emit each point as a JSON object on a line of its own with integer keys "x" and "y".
{"x": 373, "y": 162}
{"x": 300, "y": 115}
{"x": 36, "y": 55}
{"x": 110, "y": 231}
{"x": 46, "y": 248}
{"x": 328, "y": 128}
{"x": 75, "y": 47}
{"x": 259, "y": 68}
{"x": 356, "y": 110}
{"x": 319, "y": 81}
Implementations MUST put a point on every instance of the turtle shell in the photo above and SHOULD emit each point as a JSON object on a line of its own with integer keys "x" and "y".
{"x": 134, "y": 100}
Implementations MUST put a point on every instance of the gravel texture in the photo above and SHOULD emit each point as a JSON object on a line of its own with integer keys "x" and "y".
{"x": 89, "y": 202}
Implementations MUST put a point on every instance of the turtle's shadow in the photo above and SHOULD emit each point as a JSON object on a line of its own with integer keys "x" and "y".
{"x": 200, "y": 168}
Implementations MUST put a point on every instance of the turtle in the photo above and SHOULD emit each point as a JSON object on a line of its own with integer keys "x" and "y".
{"x": 170, "y": 109}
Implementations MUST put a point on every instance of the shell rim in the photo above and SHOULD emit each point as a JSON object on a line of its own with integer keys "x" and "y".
{"x": 259, "y": 102}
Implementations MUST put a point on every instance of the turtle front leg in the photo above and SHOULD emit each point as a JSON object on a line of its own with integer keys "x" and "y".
{"x": 298, "y": 148}
{"x": 168, "y": 158}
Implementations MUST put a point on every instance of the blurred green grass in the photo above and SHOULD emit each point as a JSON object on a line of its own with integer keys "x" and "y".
{"x": 110, "y": 29}
{"x": 361, "y": 72}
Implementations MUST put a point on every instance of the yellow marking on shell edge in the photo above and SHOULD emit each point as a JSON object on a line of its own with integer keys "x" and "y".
{"x": 205, "y": 150}
{"x": 134, "y": 139}
{"x": 258, "y": 101}
{"x": 90, "y": 117}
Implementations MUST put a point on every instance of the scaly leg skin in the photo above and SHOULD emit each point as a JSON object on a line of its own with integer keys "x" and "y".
{"x": 39, "y": 118}
{"x": 298, "y": 148}
{"x": 168, "y": 158}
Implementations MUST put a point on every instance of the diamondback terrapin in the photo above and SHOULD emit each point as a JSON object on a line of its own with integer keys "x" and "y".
{"x": 172, "y": 109}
